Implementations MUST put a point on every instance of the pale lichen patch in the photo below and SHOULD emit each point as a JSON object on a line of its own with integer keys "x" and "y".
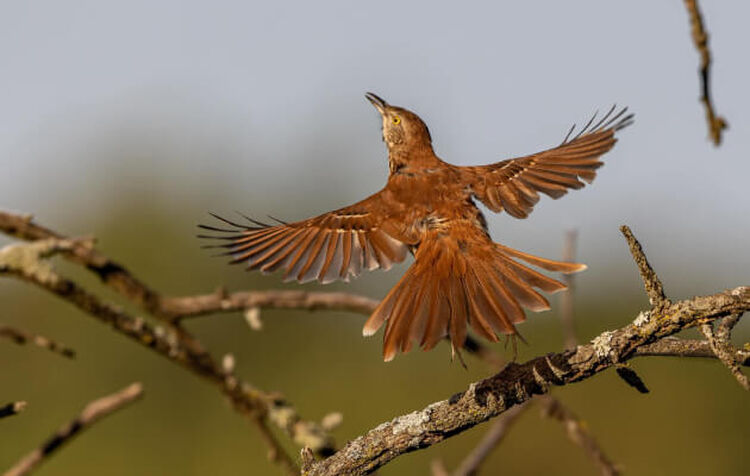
{"x": 412, "y": 423}
{"x": 601, "y": 343}
{"x": 643, "y": 318}
{"x": 739, "y": 291}
{"x": 27, "y": 258}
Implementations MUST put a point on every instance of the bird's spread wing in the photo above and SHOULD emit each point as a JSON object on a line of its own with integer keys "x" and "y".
{"x": 336, "y": 245}
{"x": 514, "y": 185}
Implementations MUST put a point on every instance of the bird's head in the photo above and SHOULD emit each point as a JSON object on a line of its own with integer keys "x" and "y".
{"x": 401, "y": 128}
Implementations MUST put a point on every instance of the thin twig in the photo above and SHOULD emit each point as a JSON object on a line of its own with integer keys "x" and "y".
{"x": 566, "y": 300}
{"x": 577, "y": 432}
{"x": 22, "y": 337}
{"x": 494, "y": 436}
{"x": 716, "y": 123}
{"x": 221, "y": 301}
{"x": 90, "y": 414}
{"x": 676, "y": 347}
{"x": 722, "y": 347}
{"x": 651, "y": 281}
{"x": 13, "y": 408}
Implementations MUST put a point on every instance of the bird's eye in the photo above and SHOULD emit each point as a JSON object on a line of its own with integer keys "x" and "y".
{"x": 396, "y": 120}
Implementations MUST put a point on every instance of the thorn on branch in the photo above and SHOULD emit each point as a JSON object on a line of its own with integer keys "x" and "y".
{"x": 651, "y": 281}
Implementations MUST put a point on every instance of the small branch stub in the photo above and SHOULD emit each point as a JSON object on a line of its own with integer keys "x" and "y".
{"x": 13, "y": 408}
{"x": 651, "y": 281}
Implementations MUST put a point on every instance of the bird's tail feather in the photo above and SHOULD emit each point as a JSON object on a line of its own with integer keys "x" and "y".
{"x": 449, "y": 287}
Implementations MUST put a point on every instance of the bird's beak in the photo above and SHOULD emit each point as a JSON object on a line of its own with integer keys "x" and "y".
{"x": 377, "y": 101}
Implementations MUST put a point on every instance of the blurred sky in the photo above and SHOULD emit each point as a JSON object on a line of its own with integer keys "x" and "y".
{"x": 170, "y": 109}
{"x": 258, "y": 106}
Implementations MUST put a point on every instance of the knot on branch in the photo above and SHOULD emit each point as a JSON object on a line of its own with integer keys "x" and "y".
{"x": 516, "y": 383}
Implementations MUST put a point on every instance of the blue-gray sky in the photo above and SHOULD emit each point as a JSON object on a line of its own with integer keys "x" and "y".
{"x": 259, "y": 106}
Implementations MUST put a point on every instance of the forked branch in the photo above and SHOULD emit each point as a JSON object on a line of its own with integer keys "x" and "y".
{"x": 517, "y": 383}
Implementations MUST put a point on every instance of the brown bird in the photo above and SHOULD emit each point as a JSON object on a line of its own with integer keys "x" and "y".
{"x": 459, "y": 277}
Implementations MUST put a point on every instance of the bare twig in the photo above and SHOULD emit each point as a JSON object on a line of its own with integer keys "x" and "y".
{"x": 577, "y": 432}
{"x": 13, "y": 408}
{"x": 651, "y": 281}
{"x": 676, "y": 347}
{"x": 566, "y": 300}
{"x": 716, "y": 124}
{"x": 21, "y": 337}
{"x": 722, "y": 347}
{"x": 470, "y": 465}
{"x": 90, "y": 414}
{"x": 221, "y": 301}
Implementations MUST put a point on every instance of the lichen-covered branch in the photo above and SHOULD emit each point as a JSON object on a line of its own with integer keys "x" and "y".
{"x": 27, "y": 262}
{"x": 22, "y": 337}
{"x": 651, "y": 281}
{"x": 90, "y": 414}
{"x": 517, "y": 383}
{"x": 716, "y": 123}
{"x": 721, "y": 346}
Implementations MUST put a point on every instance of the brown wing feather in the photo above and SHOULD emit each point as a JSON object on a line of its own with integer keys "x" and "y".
{"x": 336, "y": 245}
{"x": 512, "y": 185}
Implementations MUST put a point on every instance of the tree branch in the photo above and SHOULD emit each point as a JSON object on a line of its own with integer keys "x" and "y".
{"x": 517, "y": 383}
{"x": 716, "y": 124}
{"x": 90, "y": 414}
{"x": 483, "y": 399}
{"x": 22, "y": 337}
{"x": 25, "y": 261}
{"x": 494, "y": 436}
{"x": 221, "y": 301}
{"x": 578, "y": 433}
{"x": 722, "y": 347}
{"x": 651, "y": 281}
